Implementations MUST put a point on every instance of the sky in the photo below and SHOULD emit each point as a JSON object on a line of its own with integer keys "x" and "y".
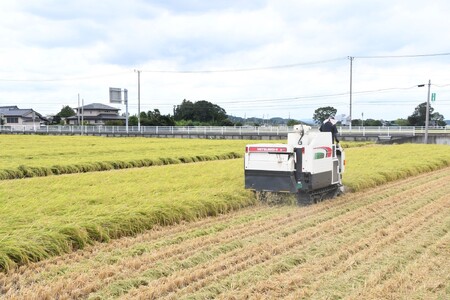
{"x": 255, "y": 58}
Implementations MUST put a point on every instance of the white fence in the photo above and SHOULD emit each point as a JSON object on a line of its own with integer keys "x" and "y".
{"x": 213, "y": 130}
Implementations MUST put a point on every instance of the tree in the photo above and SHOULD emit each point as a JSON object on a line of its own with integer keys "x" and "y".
{"x": 357, "y": 122}
{"x": 201, "y": 111}
{"x": 132, "y": 120}
{"x": 292, "y": 122}
{"x": 66, "y": 112}
{"x": 155, "y": 118}
{"x": 401, "y": 122}
{"x": 184, "y": 111}
{"x": 372, "y": 122}
{"x": 437, "y": 119}
{"x": 419, "y": 115}
{"x": 322, "y": 113}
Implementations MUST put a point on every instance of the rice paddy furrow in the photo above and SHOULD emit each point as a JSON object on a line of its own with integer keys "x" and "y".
{"x": 364, "y": 218}
{"x": 242, "y": 239}
{"x": 128, "y": 267}
{"x": 112, "y": 271}
{"x": 323, "y": 233}
{"x": 365, "y": 248}
{"x": 420, "y": 279}
{"x": 362, "y": 245}
{"x": 312, "y": 210}
{"x": 385, "y": 260}
{"x": 155, "y": 235}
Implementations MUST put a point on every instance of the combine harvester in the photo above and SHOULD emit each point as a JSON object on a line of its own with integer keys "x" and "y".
{"x": 309, "y": 165}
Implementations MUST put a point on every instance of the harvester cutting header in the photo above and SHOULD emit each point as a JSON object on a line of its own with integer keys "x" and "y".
{"x": 310, "y": 165}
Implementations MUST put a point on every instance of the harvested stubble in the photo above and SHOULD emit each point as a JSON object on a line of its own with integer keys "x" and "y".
{"x": 373, "y": 245}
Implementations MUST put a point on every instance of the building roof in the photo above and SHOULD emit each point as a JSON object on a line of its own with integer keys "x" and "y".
{"x": 14, "y": 111}
{"x": 97, "y": 106}
{"x": 9, "y": 107}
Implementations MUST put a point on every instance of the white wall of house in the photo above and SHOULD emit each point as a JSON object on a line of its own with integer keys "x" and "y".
{"x": 93, "y": 113}
{"x": 98, "y": 112}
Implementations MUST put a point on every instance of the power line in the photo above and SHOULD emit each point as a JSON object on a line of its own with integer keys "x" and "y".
{"x": 243, "y": 101}
{"x": 64, "y": 79}
{"x": 441, "y": 85}
{"x": 282, "y": 99}
{"x": 293, "y": 65}
{"x": 249, "y": 69}
{"x": 404, "y": 56}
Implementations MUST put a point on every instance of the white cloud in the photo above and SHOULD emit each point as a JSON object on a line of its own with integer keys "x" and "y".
{"x": 85, "y": 47}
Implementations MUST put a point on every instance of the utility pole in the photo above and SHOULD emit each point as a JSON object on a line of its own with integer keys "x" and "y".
{"x": 351, "y": 87}
{"x": 82, "y": 115}
{"x": 139, "y": 99}
{"x": 125, "y": 99}
{"x": 34, "y": 124}
{"x": 78, "y": 110}
{"x": 427, "y": 114}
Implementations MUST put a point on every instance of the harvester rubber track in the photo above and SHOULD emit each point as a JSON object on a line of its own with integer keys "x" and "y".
{"x": 319, "y": 195}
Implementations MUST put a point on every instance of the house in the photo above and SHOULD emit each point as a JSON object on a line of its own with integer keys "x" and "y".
{"x": 95, "y": 114}
{"x": 12, "y": 115}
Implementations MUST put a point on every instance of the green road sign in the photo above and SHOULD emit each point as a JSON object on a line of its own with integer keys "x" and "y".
{"x": 433, "y": 97}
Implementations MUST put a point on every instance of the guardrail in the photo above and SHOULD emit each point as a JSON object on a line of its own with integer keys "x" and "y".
{"x": 213, "y": 130}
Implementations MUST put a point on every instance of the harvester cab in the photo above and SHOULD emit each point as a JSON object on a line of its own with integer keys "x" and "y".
{"x": 310, "y": 165}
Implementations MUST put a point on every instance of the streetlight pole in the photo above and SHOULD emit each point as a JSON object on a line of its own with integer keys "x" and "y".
{"x": 427, "y": 114}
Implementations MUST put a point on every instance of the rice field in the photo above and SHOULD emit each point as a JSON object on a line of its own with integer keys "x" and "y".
{"x": 191, "y": 231}
{"x": 24, "y": 156}
{"x": 377, "y": 164}
{"x": 47, "y": 216}
{"x": 33, "y": 156}
{"x": 388, "y": 242}
{"x": 46, "y": 151}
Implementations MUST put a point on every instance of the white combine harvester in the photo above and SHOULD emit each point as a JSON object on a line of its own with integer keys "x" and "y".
{"x": 310, "y": 165}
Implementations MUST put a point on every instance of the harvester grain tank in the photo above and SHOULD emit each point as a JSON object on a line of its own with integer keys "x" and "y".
{"x": 310, "y": 165}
